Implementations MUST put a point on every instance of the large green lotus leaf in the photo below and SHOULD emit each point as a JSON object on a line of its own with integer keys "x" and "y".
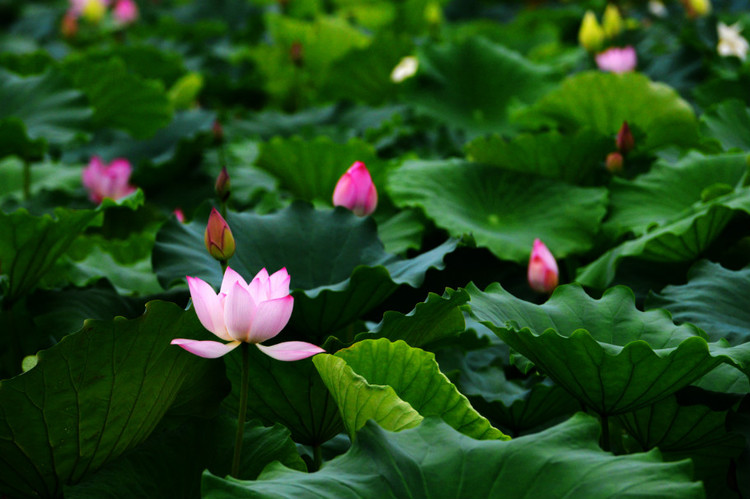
{"x": 681, "y": 239}
{"x": 669, "y": 190}
{"x": 602, "y": 101}
{"x": 516, "y": 406}
{"x": 338, "y": 266}
{"x": 121, "y": 99}
{"x": 476, "y": 84}
{"x": 434, "y": 460}
{"x": 290, "y": 393}
{"x": 729, "y": 123}
{"x": 310, "y": 169}
{"x": 359, "y": 378}
{"x": 97, "y": 394}
{"x": 504, "y": 210}
{"x": 437, "y": 318}
{"x": 47, "y": 104}
{"x": 45, "y": 176}
{"x": 714, "y": 299}
{"x": 163, "y": 147}
{"x": 169, "y": 465}
{"x": 680, "y": 426}
{"x": 15, "y": 141}
{"x": 363, "y": 74}
{"x": 401, "y": 232}
{"x": 576, "y": 158}
{"x": 606, "y": 353}
{"x": 31, "y": 245}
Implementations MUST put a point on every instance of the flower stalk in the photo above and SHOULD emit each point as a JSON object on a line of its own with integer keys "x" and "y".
{"x": 242, "y": 412}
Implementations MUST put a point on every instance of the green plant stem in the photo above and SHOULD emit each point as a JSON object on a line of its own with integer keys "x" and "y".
{"x": 317, "y": 457}
{"x": 223, "y": 266}
{"x": 26, "y": 180}
{"x": 245, "y": 347}
{"x": 605, "y": 432}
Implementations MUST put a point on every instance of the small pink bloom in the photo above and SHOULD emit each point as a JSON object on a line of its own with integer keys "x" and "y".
{"x": 542, "y": 273}
{"x": 356, "y": 191}
{"x": 107, "y": 181}
{"x": 617, "y": 60}
{"x": 125, "y": 11}
{"x": 242, "y": 312}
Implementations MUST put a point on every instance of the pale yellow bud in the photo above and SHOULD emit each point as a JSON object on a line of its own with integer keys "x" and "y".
{"x": 591, "y": 34}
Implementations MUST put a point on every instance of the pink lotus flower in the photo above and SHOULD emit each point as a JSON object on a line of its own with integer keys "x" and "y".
{"x": 617, "y": 60}
{"x": 542, "y": 273}
{"x": 110, "y": 181}
{"x": 356, "y": 191}
{"x": 241, "y": 312}
{"x": 125, "y": 12}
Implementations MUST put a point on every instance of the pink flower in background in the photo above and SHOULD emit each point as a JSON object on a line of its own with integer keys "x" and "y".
{"x": 241, "y": 312}
{"x": 617, "y": 60}
{"x": 542, "y": 273}
{"x": 356, "y": 191}
{"x": 179, "y": 215}
{"x": 125, "y": 11}
{"x": 107, "y": 181}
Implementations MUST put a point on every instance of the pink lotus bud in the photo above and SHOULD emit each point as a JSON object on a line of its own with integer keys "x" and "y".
{"x": 356, "y": 191}
{"x": 110, "y": 181}
{"x": 69, "y": 24}
{"x": 218, "y": 237}
{"x": 625, "y": 141}
{"x": 218, "y": 132}
{"x": 542, "y": 273}
{"x": 614, "y": 162}
{"x": 179, "y": 215}
{"x": 242, "y": 312}
{"x": 125, "y": 12}
{"x": 223, "y": 186}
{"x": 617, "y": 60}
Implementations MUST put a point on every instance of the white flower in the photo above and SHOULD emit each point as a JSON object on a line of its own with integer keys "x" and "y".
{"x": 731, "y": 42}
{"x": 657, "y": 8}
{"x": 406, "y": 68}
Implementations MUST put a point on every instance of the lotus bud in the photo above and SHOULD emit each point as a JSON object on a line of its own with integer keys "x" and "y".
{"x": 612, "y": 21}
{"x": 223, "y": 185}
{"x": 591, "y": 34}
{"x": 356, "y": 191}
{"x": 179, "y": 215}
{"x": 125, "y": 12}
{"x": 614, "y": 162}
{"x": 625, "y": 141}
{"x": 406, "y": 68}
{"x": 218, "y": 132}
{"x": 542, "y": 273}
{"x": 69, "y": 25}
{"x": 218, "y": 237}
{"x": 297, "y": 54}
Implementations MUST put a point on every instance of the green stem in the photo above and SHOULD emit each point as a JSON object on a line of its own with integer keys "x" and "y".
{"x": 223, "y": 266}
{"x": 245, "y": 347}
{"x": 605, "y": 432}
{"x": 26, "y": 180}
{"x": 317, "y": 457}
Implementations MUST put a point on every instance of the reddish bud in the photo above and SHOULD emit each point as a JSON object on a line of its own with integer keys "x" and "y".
{"x": 218, "y": 132}
{"x": 179, "y": 215}
{"x": 218, "y": 237}
{"x": 356, "y": 191}
{"x": 542, "y": 272}
{"x": 614, "y": 162}
{"x": 297, "y": 54}
{"x": 625, "y": 141}
{"x": 69, "y": 25}
{"x": 223, "y": 186}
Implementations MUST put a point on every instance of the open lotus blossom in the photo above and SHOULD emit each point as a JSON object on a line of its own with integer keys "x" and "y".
{"x": 731, "y": 42}
{"x": 617, "y": 60}
{"x": 356, "y": 191}
{"x": 241, "y": 312}
{"x": 107, "y": 181}
{"x": 125, "y": 12}
{"x": 542, "y": 273}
